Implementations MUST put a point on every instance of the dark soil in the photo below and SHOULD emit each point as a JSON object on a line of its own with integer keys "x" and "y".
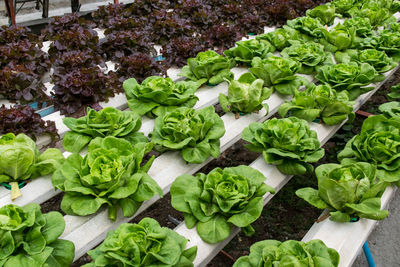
{"x": 53, "y": 204}
{"x": 234, "y": 156}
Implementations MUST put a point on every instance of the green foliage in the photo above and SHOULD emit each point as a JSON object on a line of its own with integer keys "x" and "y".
{"x": 281, "y": 36}
{"x": 343, "y": 6}
{"x": 390, "y": 109}
{"x": 287, "y": 143}
{"x": 21, "y": 160}
{"x": 106, "y": 122}
{"x": 30, "y": 238}
{"x": 309, "y": 54}
{"x": 245, "y": 51}
{"x": 352, "y": 77}
{"x": 143, "y": 244}
{"x": 375, "y": 11}
{"x": 394, "y": 92}
{"x": 378, "y": 11}
{"x": 195, "y": 132}
{"x": 208, "y": 66}
{"x": 215, "y": 202}
{"x": 289, "y": 253}
{"x": 319, "y": 102}
{"x": 339, "y": 38}
{"x": 245, "y": 95}
{"x": 157, "y": 95}
{"x": 307, "y": 25}
{"x": 278, "y": 73}
{"x": 325, "y": 13}
{"x": 347, "y": 191}
{"x": 110, "y": 174}
{"x": 361, "y": 25}
{"x": 377, "y": 59}
{"x": 386, "y": 40}
{"x": 377, "y": 143}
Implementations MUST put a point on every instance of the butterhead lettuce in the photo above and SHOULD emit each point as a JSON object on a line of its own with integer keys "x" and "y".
{"x": 110, "y": 175}
{"x": 220, "y": 199}
{"x": 278, "y": 73}
{"x": 289, "y": 253}
{"x": 157, "y": 95}
{"x": 20, "y": 160}
{"x": 30, "y": 238}
{"x": 347, "y": 191}
{"x": 287, "y": 143}
{"x": 319, "y": 102}
{"x": 245, "y": 95}
{"x": 106, "y": 122}
{"x": 377, "y": 143}
{"x": 145, "y": 243}
{"x": 208, "y": 65}
{"x": 196, "y": 133}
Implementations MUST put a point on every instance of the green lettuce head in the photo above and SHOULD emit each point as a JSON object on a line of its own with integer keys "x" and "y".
{"x": 374, "y": 11}
{"x": 220, "y": 199}
{"x": 281, "y": 37}
{"x": 352, "y": 77}
{"x": 394, "y": 92}
{"x": 21, "y": 160}
{"x": 157, "y": 95}
{"x": 307, "y": 25}
{"x": 196, "y": 133}
{"x": 347, "y": 191}
{"x": 394, "y": 27}
{"x": 245, "y": 51}
{"x": 325, "y": 13}
{"x": 289, "y": 253}
{"x": 309, "y": 54}
{"x": 278, "y": 73}
{"x": 30, "y": 238}
{"x": 143, "y": 244}
{"x": 339, "y": 38}
{"x": 343, "y": 6}
{"x": 319, "y": 102}
{"x": 245, "y": 95}
{"x": 362, "y": 25}
{"x": 377, "y": 143}
{"x": 106, "y": 122}
{"x": 377, "y": 59}
{"x": 110, "y": 174}
{"x": 386, "y": 40}
{"x": 208, "y": 66}
{"x": 287, "y": 143}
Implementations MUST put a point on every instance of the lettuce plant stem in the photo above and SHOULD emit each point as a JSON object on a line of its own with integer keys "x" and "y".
{"x": 15, "y": 192}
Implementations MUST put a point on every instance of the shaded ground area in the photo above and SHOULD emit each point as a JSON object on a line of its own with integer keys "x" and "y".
{"x": 384, "y": 241}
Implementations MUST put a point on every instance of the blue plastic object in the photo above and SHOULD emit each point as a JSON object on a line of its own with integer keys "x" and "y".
{"x": 34, "y": 105}
{"x": 368, "y": 255}
{"x": 46, "y": 111}
{"x": 159, "y": 58}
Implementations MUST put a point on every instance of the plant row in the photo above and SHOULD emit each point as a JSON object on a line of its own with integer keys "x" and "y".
{"x": 77, "y": 54}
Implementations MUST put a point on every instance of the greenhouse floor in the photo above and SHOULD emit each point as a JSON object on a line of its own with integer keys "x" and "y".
{"x": 384, "y": 241}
